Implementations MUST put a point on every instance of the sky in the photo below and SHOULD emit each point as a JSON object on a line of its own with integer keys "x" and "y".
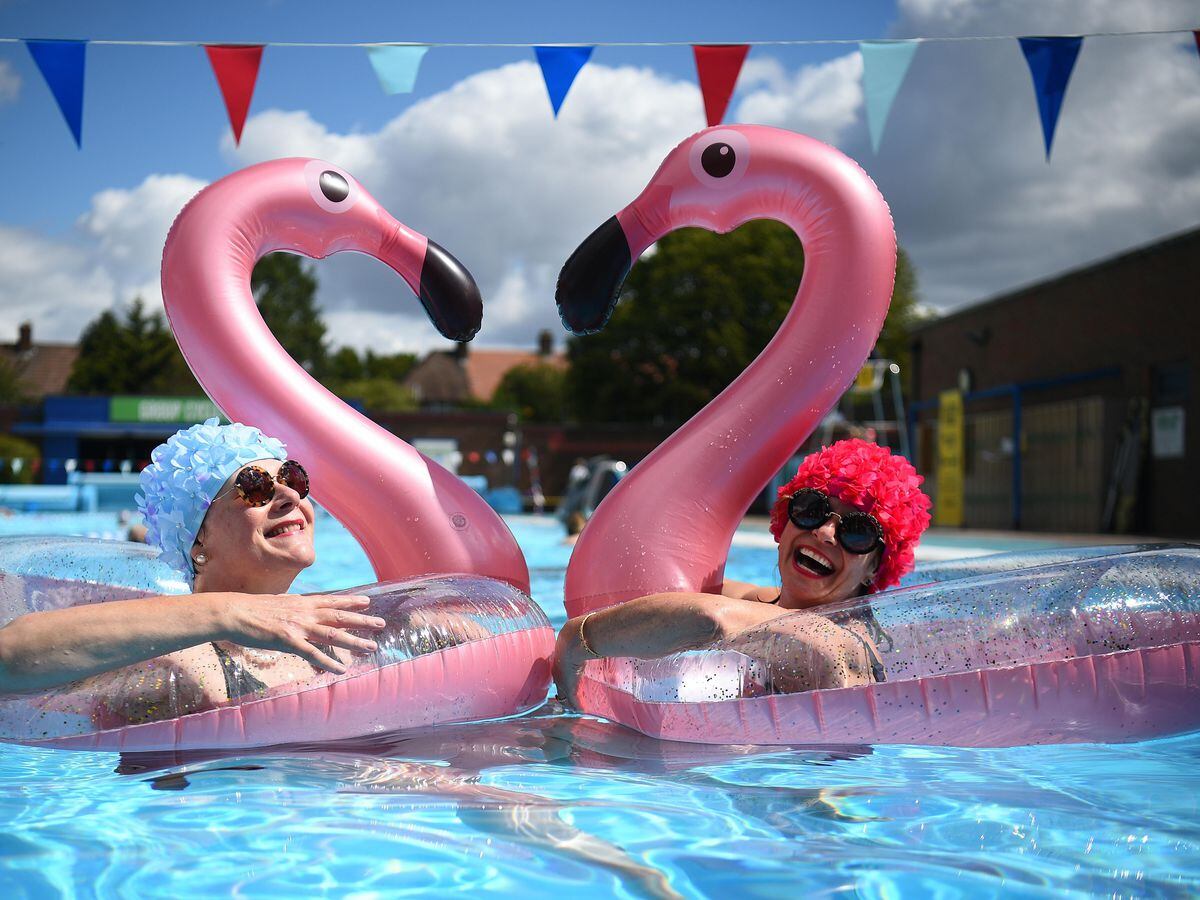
{"x": 474, "y": 159}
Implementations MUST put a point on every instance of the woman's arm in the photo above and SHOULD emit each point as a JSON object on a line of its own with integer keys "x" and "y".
{"x": 650, "y": 627}
{"x": 46, "y": 649}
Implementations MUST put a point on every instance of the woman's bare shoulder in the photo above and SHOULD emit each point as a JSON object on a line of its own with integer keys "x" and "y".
{"x": 742, "y": 590}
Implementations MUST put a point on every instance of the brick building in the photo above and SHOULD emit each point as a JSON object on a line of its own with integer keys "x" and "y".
{"x": 1081, "y": 396}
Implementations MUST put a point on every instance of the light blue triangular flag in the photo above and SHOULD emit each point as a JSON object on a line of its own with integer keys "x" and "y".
{"x": 560, "y": 65}
{"x": 885, "y": 63}
{"x": 396, "y": 67}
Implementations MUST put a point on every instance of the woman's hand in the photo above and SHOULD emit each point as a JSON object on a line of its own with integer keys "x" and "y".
{"x": 294, "y": 624}
{"x": 569, "y": 657}
{"x": 650, "y": 627}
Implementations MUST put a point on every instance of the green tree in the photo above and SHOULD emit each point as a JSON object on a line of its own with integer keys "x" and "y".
{"x": 13, "y": 390}
{"x": 377, "y": 394}
{"x": 903, "y": 316}
{"x": 537, "y": 392}
{"x": 691, "y": 318}
{"x": 344, "y": 365}
{"x": 13, "y": 448}
{"x": 395, "y": 366}
{"x": 285, "y": 290}
{"x": 132, "y": 352}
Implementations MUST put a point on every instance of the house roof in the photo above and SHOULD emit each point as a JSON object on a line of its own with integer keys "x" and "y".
{"x": 43, "y": 368}
{"x": 451, "y": 376}
{"x": 486, "y": 367}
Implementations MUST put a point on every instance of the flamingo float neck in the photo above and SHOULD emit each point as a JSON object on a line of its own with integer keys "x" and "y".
{"x": 669, "y": 524}
{"x": 410, "y": 515}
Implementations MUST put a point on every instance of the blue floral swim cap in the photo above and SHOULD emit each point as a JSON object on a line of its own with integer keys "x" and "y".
{"x": 185, "y": 475}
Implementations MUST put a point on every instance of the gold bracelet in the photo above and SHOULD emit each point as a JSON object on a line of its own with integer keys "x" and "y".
{"x": 584, "y": 641}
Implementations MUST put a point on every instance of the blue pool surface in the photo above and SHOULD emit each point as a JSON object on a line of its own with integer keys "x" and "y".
{"x": 554, "y": 804}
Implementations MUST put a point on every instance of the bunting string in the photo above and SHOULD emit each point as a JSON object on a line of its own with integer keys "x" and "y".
{"x": 776, "y": 42}
{"x": 1050, "y": 59}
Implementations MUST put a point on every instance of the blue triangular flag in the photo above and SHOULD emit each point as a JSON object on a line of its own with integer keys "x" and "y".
{"x": 560, "y": 65}
{"x": 885, "y": 63}
{"x": 61, "y": 64}
{"x": 1050, "y": 60}
{"x": 396, "y": 67}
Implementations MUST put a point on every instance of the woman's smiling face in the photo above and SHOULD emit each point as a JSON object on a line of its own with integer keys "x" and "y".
{"x": 816, "y": 569}
{"x": 247, "y": 542}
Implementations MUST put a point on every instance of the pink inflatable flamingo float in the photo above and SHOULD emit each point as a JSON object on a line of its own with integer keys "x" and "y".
{"x": 1097, "y": 651}
{"x": 667, "y": 526}
{"x": 410, "y": 515}
{"x": 463, "y": 639}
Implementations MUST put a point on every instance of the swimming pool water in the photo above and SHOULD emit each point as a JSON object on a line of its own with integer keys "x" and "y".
{"x": 557, "y": 804}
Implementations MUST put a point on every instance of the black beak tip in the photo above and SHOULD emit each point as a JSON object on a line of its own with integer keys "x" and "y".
{"x": 450, "y": 295}
{"x": 590, "y": 281}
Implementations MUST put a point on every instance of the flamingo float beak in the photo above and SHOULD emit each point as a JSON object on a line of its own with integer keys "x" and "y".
{"x": 450, "y": 295}
{"x": 590, "y": 281}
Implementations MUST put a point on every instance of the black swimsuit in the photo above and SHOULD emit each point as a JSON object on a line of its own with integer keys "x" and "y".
{"x": 238, "y": 679}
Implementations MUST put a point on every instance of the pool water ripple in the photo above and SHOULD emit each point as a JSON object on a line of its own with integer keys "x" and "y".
{"x": 553, "y": 803}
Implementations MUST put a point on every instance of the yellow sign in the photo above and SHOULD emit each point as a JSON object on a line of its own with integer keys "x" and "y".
{"x": 869, "y": 378}
{"x": 951, "y": 466}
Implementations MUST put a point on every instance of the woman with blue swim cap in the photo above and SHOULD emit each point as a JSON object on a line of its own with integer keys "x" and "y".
{"x": 225, "y": 507}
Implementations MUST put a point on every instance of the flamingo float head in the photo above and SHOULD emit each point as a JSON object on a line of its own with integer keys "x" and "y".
{"x": 410, "y": 515}
{"x": 717, "y": 179}
{"x": 315, "y": 208}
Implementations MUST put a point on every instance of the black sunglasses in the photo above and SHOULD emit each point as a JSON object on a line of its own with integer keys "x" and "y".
{"x": 857, "y": 532}
{"x": 256, "y": 487}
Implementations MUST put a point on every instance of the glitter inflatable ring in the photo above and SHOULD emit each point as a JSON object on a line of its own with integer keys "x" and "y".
{"x": 1087, "y": 650}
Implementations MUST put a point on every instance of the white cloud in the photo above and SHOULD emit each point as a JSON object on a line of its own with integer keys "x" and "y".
{"x": 61, "y": 284}
{"x": 821, "y": 100}
{"x": 962, "y": 163}
{"x": 10, "y": 82}
{"x": 486, "y": 171}
{"x": 380, "y": 331}
{"x": 129, "y": 227}
{"x": 56, "y": 286}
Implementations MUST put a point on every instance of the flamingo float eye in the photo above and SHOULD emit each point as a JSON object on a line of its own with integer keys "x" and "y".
{"x": 331, "y": 188}
{"x": 720, "y": 158}
{"x": 334, "y": 186}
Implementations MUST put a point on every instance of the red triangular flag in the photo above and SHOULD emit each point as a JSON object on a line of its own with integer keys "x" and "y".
{"x": 236, "y": 69}
{"x": 718, "y": 68}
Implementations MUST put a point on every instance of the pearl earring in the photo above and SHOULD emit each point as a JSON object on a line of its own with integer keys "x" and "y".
{"x": 201, "y": 559}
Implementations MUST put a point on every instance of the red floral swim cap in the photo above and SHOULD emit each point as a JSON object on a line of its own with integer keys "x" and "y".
{"x": 875, "y": 480}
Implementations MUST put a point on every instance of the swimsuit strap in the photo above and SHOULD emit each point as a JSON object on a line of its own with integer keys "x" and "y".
{"x": 878, "y": 672}
{"x": 239, "y": 681}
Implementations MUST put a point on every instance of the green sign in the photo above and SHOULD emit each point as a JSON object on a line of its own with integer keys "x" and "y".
{"x": 161, "y": 409}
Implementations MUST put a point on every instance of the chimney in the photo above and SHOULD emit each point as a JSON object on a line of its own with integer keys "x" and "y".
{"x": 545, "y": 343}
{"x": 25, "y": 338}
{"x": 460, "y": 352}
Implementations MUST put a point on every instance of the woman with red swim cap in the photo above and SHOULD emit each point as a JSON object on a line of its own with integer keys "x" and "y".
{"x": 847, "y": 525}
